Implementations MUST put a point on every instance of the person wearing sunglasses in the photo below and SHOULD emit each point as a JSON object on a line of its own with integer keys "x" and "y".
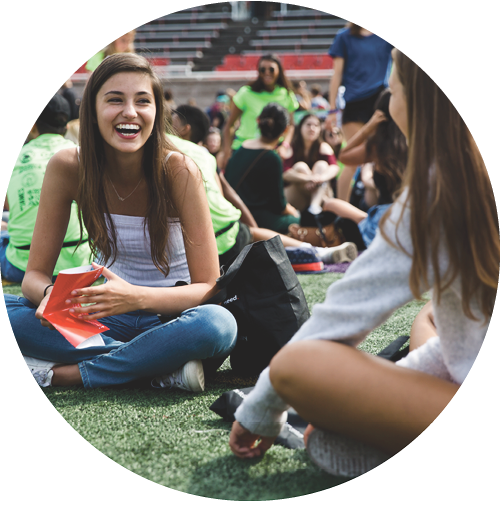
{"x": 271, "y": 86}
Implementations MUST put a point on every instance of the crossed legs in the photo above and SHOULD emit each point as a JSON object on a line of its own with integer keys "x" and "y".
{"x": 347, "y": 391}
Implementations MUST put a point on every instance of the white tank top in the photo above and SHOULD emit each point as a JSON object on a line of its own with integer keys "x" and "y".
{"x": 133, "y": 260}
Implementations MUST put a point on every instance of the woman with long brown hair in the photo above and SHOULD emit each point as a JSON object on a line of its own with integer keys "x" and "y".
{"x": 146, "y": 213}
{"x": 440, "y": 234}
{"x": 309, "y": 165}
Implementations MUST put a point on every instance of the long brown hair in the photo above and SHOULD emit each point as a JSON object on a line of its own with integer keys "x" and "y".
{"x": 387, "y": 147}
{"x": 91, "y": 198}
{"x": 450, "y": 194}
{"x": 298, "y": 144}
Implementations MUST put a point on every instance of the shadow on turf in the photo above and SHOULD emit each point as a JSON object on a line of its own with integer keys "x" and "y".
{"x": 280, "y": 474}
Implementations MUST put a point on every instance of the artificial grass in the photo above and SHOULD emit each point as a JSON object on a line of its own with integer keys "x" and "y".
{"x": 173, "y": 439}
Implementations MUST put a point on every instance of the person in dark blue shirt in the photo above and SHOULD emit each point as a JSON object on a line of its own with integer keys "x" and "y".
{"x": 361, "y": 63}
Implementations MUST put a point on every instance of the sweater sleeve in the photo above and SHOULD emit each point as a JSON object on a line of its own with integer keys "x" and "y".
{"x": 262, "y": 412}
{"x": 374, "y": 286}
{"x": 427, "y": 358}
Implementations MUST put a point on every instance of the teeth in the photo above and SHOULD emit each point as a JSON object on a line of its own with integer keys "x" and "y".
{"x": 128, "y": 127}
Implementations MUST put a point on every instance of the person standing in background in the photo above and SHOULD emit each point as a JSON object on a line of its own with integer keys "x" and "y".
{"x": 271, "y": 86}
{"x": 361, "y": 63}
{"x": 124, "y": 43}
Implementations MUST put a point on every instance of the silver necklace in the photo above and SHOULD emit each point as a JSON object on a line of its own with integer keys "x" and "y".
{"x": 124, "y": 198}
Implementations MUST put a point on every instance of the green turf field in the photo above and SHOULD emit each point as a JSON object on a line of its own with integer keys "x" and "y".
{"x": 173, "y": 439}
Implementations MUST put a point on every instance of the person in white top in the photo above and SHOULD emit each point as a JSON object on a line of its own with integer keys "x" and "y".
{"x": 146, "y": 213}
{"x": 441, "y": 234}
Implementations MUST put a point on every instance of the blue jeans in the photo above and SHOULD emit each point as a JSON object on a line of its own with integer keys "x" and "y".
{"x": 137, "y": 345}
{"x": 9, "y": 272}
{"x": 369, "y": 225}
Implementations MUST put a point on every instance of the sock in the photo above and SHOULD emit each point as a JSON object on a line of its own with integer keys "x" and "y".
{"x": 314, "y": 209}
{"x": 322, "y": 252}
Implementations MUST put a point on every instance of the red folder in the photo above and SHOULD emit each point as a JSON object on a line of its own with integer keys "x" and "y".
{"x": 79, "y": 333}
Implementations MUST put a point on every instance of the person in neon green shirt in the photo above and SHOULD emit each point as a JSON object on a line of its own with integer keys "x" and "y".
{"x": 23, "y": 196}
{"x": 123, "y": 44}
{"x": 192, "y": 124}
{"x": 271, "y": 86}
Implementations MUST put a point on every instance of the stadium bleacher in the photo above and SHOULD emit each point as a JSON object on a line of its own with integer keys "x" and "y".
{"x": 207, "y": 38}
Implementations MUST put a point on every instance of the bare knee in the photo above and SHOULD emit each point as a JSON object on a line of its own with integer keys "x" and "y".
{"x": 301, "y": 167}
{"x": 296, "y": 365}
{"x": 319, "y": 167}
{"x": 283, "y": 368}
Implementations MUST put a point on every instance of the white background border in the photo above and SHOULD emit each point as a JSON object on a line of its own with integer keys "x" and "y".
{"x": 49, "y": 470}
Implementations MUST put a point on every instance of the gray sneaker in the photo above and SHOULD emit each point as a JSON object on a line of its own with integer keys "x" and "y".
{"x": 189, "y": 377}
{"x": 41, "y": 370}
{"x": 342, "y": 456}
{"x": 346, "y": 252}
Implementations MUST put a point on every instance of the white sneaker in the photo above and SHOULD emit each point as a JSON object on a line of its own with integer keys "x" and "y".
{"x": 41, "y": 370}
{"x": 342, "y": 456}
{"x": 346, "y": 252}
{"x": 189, "y": 377}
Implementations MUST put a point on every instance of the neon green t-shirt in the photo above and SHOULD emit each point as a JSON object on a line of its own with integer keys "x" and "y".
{"x": 252, "y": 103}
{"x": 221, "y": 210}
{"x": 95, "y": 61}
{"x": 23, "y": 195}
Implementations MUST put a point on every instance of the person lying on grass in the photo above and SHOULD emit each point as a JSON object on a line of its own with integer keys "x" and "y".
{"x": 144, "y": 206}
{"x": 440, "y": 234}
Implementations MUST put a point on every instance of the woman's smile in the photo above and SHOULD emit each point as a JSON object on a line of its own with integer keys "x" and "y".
{"x": 269, "y": 72}
{"x": 128, "y": 131}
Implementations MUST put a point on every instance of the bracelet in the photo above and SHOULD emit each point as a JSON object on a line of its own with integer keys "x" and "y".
{"x": 45, "y": 290}
{"x": 285, "y": 144}
{"x": 333, "y": 111}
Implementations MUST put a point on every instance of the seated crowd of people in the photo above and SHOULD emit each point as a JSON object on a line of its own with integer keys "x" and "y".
{"x": 157, "y": 193}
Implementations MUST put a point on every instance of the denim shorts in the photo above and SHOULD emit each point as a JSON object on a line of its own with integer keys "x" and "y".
{"x": 369, "y": 225}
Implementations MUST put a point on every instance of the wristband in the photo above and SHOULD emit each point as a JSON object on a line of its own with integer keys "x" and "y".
{"x": 285, "y": 144}
{"x": 334, "y": 111}
{"x": 45, "y": 290}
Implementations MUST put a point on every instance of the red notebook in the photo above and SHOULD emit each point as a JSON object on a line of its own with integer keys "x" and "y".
{"x": 81, "y": 334}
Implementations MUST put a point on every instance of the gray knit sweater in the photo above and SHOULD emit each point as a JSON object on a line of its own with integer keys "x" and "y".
{"x": 375, "y": 285}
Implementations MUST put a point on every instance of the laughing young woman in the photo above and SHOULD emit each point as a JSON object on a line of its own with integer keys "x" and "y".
{"x": 146, "y": 213}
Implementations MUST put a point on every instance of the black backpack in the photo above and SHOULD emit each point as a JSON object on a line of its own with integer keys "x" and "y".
{"x": 262, "y": 291}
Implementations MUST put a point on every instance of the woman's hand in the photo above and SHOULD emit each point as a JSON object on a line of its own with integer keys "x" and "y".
{"x": 331, "y": 121}
{"x": 245, "y": 445}
{"x": 40, "y": 310}
{"x": 377, "y": 118}
{"x": 284, "y": 150}
{"x": 110, "y": 299}
{"x": 311, "y": 185}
